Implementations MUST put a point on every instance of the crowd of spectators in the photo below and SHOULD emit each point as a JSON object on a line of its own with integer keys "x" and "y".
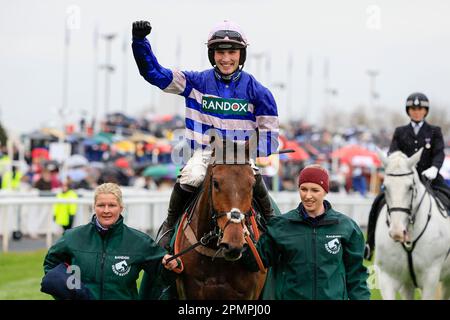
{"x": 149, "y": 144}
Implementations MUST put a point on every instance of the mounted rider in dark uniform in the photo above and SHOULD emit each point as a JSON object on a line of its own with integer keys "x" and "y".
{"x": 224, "y": 98}
{"x": 409, "y": 139}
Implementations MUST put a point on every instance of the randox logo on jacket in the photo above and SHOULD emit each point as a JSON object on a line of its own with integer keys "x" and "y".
{"x": 121, "y": 268}
{"x": 224, "y": 106}
{"x": 333, "y": 246}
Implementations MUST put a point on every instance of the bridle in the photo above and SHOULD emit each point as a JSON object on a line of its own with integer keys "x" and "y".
{"x": 233, "y": 216}
{"x": 216, "y": 232}
{"x": 409, "y": 210}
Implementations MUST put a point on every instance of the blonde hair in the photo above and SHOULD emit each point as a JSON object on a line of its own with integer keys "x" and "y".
{"x": 111, "y": 188}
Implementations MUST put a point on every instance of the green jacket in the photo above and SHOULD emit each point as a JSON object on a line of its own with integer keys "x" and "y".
{"x": 322, "y": 261}
{"x": 110, "y": 264}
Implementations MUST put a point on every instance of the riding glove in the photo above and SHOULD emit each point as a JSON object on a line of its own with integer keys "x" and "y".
{"x": 141, "y": 29}
{"x": 431, "y": 173}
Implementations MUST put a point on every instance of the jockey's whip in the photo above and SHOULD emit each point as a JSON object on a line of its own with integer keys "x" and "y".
{"x": 284, "y": 151}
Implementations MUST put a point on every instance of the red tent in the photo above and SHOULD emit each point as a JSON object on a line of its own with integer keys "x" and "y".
{"x": 40, "y": 153}
{"x": 356, "y": 155}
{"x": 299, "y": 153}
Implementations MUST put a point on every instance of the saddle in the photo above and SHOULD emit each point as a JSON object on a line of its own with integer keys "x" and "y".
{"x": 441, "y": 195}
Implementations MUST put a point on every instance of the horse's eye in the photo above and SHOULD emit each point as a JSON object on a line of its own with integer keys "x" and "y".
{"x": 216, "y": 184}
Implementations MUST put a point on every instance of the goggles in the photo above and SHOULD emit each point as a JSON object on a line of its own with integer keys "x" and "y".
{"x": 232, "y": 35}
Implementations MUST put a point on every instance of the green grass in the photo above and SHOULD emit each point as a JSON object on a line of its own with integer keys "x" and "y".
{"x": 21, "y": 275}
{"x": 375, "y": 294}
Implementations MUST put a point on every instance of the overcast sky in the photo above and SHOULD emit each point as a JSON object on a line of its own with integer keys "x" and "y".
{"x": 406, "y": 41}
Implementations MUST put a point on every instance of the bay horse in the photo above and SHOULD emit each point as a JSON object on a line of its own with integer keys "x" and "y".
{"x": 412, "y": 234}
{"x": 222, "y": 211}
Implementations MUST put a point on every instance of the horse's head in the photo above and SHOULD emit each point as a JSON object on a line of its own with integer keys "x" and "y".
{"x": 231, "y": 181}
{"x": 400, "y": 184}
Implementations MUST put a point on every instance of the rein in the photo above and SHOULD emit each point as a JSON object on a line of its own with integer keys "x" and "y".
{"x": 409, "y": 246}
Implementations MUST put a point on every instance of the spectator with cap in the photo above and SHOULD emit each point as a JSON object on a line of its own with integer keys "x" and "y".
{"x": 317, "y": 251}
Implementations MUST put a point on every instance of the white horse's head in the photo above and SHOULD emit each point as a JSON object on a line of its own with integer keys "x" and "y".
{"x": 400, "y": 180}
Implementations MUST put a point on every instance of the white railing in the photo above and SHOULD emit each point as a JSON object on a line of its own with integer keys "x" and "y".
{"x": 32, "y": 214}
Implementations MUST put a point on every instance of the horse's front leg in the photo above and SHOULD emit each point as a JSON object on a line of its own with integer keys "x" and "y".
{"x": 430, "y": 281}
{"x": 388, "y": 285}
{"x": 407, "y": 292}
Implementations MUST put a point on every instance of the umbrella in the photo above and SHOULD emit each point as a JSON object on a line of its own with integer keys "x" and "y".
{"x": 96, "y": 165}
{"x": 103, "y": 137}
{"x": 125, "y": 146}
{"x": 76, "y": 160}
{"x": 363, "y": 161}
{"x": 162, "y": 171}
{"x": 76, "y": 175}
{"x": 299, "y": 153}
{"x": 100, "y": 138}
{"x": 163, "y": 148}
{"x": 40, "y": 153}
{"x": 140, "y": 137}
{"x": 122, "y": 163}
{"x": 348, "y": 153}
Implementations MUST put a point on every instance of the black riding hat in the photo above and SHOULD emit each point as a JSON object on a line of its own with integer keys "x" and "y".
{"x": 417, "y": 99}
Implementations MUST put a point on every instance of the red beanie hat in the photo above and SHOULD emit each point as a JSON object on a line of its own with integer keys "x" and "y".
{"x": 314, "y": 174}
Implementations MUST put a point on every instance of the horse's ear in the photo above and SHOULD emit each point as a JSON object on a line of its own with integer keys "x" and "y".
{"x": 383, "y": 157}
{"x": 415, "y": 158}
{"x": 214, "y": 137}
{"x": 215, "y": 140}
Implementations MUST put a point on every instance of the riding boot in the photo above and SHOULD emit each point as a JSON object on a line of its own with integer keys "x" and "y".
{"x": 261, "y": 195}
{"x": 178, "y": 200}
{"x": 373, "y": 217}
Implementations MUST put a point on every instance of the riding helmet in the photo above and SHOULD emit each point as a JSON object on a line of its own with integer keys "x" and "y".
{"x": 417, "y": 99}
{"x": 227, "y": 35}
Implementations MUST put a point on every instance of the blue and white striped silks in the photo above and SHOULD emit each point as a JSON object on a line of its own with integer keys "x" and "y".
{"x": 261, "y": 113}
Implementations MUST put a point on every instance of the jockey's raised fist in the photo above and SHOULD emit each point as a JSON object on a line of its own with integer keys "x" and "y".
{"x": 141, "y": 29}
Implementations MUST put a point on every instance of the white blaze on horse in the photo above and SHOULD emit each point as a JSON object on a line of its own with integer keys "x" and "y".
{"x": 412, "y": 234}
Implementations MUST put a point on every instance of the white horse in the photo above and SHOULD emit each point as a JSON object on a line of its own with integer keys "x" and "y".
{"x": 412, "y": 235}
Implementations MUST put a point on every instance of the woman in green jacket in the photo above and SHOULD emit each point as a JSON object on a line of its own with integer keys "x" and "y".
{"x": 106, "y": 255}
{"x": 315, "y": 251}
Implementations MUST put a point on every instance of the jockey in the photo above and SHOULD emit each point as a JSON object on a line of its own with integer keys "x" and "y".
{"x": 207, "y": 94}
{"x": 409, "y": 139}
